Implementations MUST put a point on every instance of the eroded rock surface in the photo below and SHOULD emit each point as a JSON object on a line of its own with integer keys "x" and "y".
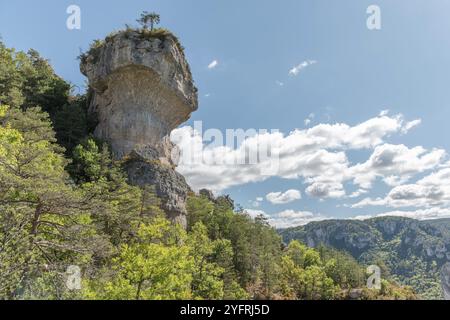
{"x": 142, "y": 90}
{"x": 170, "y": 186}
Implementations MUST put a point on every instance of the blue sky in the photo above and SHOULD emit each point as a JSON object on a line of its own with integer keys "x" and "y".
{"x": 404, "y": 67}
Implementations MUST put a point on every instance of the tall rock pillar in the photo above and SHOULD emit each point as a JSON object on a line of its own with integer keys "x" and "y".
{"x": 142, "y": 90}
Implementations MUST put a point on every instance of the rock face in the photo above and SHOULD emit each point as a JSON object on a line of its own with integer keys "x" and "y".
{"x": 169, "y": 185}
{"x": 142, "y": 89}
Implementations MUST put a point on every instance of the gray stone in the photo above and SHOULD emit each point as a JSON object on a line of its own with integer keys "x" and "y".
{"x": 142, "y": 90}
{"x": 170, "y": 186}
{"x": 208, "y": 194}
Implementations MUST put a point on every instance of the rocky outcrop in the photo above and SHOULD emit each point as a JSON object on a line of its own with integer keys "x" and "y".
{"x": 142, "y": 89}
{"x": 208, "y": 194}
{"x": 170, "y": 186}
{"x": 353, "y": 236}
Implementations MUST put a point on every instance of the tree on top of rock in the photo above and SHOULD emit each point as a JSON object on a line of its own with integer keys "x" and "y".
{"x": 149, "y": 19}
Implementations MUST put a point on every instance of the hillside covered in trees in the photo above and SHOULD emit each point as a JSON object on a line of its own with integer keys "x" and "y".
{"x": 65, "y": 202}
{"x": 411, "y": 252}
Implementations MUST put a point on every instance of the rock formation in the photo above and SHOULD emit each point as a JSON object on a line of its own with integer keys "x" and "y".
{"x": 142, "y": 89}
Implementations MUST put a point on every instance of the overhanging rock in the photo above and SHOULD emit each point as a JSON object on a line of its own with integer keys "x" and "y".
{"x": 142, "y": 89}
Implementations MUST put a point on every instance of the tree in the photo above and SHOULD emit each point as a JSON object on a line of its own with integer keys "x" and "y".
{"x": 206, "y": 277}
{"x": 70, "y": 123}
{"x": 117, "y": 208}
{"x": 147, "y": 19}
{"x": 304, "y": 275}
{"x": 44, "y": 226}
{"x": 156, "y": 265}
{"x": 27, "y": 80}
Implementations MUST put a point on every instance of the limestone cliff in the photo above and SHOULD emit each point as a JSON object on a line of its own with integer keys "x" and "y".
{"x": 445, "y": 281}
{"x": 143, "y": 89}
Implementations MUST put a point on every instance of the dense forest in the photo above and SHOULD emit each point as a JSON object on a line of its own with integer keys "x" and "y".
{"x": 65, "y": 202}
{"x": 411, "y": 252}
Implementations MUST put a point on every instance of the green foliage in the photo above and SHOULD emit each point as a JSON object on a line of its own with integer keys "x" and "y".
{"x": 304, "y": 275}
{"x": 42, "y": 218}
{"x": 155, "y": 265}
{"x": 255, "y": 245}
{"x": 27, "y": 80}
{"x": 206, "y": 282}
{"x": 71, "y": 123}
{"x": 342, "y": 268}
{"x": 389, "y": 291}
{"x": 117, "y": 207}
{"x": 408, "y": 252}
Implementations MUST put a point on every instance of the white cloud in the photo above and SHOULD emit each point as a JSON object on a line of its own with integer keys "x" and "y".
{"x": 396, "y": 164}
{"x": 284, "y": 197}
{"x": 316, "y": 155}
{"x": 292, "y": 218}
{"x": 384, "y": 113}
{"x": 325, "y": 190}
{"x": 255, "y": 213}
{"x": 412, "y": 124}
{"x": 257, "y": 202}
{"x": 287, "y": 218}
{"x": 309, "y": 119}
{"x": 279, "y": 83}
{"x": 296, "y": 70}
{"x": 420, "y": 214}
{"x": 358, "y": 193}
{"x": 430, "y": 191}
{"x": 213, "y": 64}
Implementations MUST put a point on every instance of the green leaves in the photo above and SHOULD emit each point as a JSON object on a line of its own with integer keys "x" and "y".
{"x": 40, "y": 220}
{"x": 154, "y": 266}
{"x": 149, "y": 19}
{"x": 27, "y": 80}
{"x": 304, "y": 275}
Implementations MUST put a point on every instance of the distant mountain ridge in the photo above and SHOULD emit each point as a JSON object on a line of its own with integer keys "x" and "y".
{"x": 410, "y": 251}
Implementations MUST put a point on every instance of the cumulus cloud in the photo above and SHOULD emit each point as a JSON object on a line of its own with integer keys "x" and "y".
{"x": 257, "y": 202}
{"x": 255, "y": 213}
{"x": 287, "y": 218}
{"x": 325, "y": 190}
{"x": 298, "y": 68}
{"x": 431, "y": 191}
{"x": 316, "y": 155}
{"x": 213, "y": 64}
{"x": 409, "y": 125}
{"x": 420, "y": 214}
{"x": 396, "y": 164}
{"x": 309, "y": 119}
{"x": 358, "y": 193}
{"x": 284, "y": 197}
